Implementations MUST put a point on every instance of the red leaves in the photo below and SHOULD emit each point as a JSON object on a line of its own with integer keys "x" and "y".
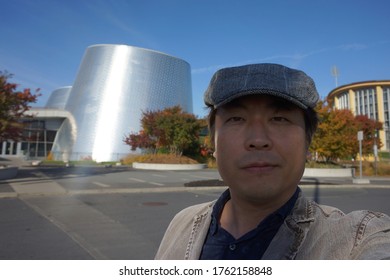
{"x": 170, "y": 129}
{"x": 336, "y": 136}
{"x": 13, "y": 106}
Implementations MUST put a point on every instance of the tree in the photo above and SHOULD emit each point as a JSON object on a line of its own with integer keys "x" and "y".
{"x": 13, "y": 106}
{"x": 336, "y": 134}
{"x": 140, "y": 140}
{"x": 170, "y": 129}
{"x": 370, "y": 129}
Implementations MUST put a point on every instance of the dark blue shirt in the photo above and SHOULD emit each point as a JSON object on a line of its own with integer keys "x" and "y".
{"x": 221, "y": 245}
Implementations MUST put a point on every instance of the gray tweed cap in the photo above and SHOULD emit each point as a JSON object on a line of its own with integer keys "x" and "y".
{"x": 269, "y": 79}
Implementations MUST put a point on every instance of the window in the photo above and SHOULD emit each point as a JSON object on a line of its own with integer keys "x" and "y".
{"x": 39, "y": 141}
{"x": 366, "y": 103}
{"x": 344, "y": 101}
{"x": 386, "y": 107}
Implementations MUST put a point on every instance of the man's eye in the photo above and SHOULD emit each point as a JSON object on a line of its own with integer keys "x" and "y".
{"x": 280, "y": 119}
{"x": 235, "y": 119}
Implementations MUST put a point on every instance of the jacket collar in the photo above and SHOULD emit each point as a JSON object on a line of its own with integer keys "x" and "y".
{"x": 293, "y": 232}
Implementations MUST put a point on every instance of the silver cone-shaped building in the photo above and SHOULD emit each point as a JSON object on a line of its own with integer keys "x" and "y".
{"x": 114, "y": 85}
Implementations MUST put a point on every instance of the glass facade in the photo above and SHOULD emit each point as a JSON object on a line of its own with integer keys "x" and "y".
{"x": 8, "y": 148}
{"x": 39, "y": 139}
{"x": 39, "y": 134}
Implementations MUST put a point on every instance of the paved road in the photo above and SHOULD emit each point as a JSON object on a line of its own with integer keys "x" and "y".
{"x": 121, "y": 213}
{"x": 88, "y": 179}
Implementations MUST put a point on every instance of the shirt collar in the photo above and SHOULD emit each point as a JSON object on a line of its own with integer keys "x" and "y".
{"x": 282, "y": 212}
{"x": 217, "y": 210}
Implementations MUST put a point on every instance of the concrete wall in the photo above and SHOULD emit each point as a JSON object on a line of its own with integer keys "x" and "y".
{"x": 328, "y": 172}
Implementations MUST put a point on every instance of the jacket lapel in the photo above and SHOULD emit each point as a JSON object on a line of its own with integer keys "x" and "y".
{"x": 291, "y": 235}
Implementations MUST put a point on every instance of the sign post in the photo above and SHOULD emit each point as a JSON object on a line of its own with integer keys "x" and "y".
{"x": 360, "y": 139}
{"x": 376, "y": 152}
{"x": 360, "y": 180}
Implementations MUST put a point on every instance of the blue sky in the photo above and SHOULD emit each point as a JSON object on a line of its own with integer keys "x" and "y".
{"x": 42, "y": 41}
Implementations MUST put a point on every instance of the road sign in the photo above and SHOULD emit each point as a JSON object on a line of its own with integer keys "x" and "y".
{"x": 360, "y": 135}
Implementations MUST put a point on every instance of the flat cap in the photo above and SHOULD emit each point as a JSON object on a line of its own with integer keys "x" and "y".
{"x": 266, "y": 78}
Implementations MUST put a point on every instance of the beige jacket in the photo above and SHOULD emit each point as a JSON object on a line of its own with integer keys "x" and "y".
{"x": 310, "y": 232}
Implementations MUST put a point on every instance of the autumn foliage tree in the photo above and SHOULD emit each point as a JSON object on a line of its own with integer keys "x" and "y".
{"x": 370, "y": 130}
{"x": 13, "y": 107}
{"x": 171, "y": 129}
{"x": 336, "y": 136}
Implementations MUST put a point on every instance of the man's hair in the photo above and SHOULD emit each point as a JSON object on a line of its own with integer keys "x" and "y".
{"x": 310, "y": 117}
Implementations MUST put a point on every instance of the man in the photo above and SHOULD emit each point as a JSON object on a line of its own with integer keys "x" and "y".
{"x": 261, "y": 121}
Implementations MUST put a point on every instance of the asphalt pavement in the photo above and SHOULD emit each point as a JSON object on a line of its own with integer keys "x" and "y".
{"x": 122, "y": 179}
{"x": 122, "y": 213}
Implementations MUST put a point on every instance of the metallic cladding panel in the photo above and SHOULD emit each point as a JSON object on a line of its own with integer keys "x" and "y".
{"x": 114, "y": 85}
{"x": 58, "y": 98}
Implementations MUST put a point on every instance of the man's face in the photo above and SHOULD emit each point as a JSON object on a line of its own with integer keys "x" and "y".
{"x": 261, "y": 147}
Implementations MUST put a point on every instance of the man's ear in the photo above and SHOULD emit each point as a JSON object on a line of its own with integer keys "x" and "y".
{"x": 215, "y": 154}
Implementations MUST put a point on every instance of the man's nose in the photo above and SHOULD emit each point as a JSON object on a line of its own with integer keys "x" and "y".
{"x": 258, "y": 137}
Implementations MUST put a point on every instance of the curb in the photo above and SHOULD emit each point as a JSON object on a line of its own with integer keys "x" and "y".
{"x": 8, "y": 195}
{"x": 8, "y": 172}
{"x": 163, "y": 166}
{"x": 167, "y": 190}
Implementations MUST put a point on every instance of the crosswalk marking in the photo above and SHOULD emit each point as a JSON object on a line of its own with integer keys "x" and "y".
{"x": 146, "y": 182}
{"x": 158, "y": 175}
{"x": 157, "y": 184}
{"x": 202, "y": 177}
{"x": 101, "y": 184}
{"x": 137, "y": 180}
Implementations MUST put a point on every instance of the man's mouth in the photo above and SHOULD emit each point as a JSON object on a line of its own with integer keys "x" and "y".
{"x": 259, "y": 167}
